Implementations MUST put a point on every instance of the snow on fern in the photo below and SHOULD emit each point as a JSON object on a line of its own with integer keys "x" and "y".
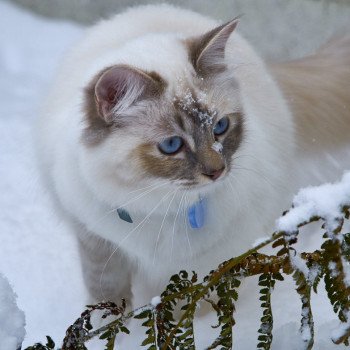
{"x": 327, "y": 202}
{"x": 324, "y": 201}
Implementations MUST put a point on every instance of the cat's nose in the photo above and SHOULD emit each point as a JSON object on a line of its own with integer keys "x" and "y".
{"x": 213, "y": 174}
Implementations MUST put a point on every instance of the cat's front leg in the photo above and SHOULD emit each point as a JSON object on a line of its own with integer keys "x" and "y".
{"x": 106, "y": 272}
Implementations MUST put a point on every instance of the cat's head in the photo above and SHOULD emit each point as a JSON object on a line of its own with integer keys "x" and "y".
{"x": 183, "y": 130}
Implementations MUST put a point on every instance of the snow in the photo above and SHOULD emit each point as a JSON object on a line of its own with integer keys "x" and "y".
{"x": 305, "y": 332}
{"x": 346, "y": 269}
{"x": 333, "y": 268}
{"x": 156, "y": 301}
{"x": 217, "y": 147}
{"x": 314, "y": 271}
{"x": 298, "y": 263}
{"x": 260, "y": 240}
{"x": 325, "y": 201}
{"x": 11, "y": 318}
{"x": 39, "y": 255}
{"x": 188, "y": 103}
{"x": 343, "y": 328}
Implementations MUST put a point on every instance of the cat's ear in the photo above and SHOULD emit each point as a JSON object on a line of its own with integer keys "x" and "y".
{"x": 120, "y": 86}
{"x": 207, "y": 52}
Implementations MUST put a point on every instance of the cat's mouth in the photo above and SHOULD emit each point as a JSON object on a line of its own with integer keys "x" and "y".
{"x": 205, "y": 181}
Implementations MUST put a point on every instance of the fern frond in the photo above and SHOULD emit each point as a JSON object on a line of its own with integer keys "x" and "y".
{"x": 267, "y": 284}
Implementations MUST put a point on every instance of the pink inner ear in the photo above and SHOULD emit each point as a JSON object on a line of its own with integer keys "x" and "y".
{"x": 112, "y": 87}
{"x": 111, "y": 95}
{"x": 116, "y": 93}
{"x": 208, "y": 51}
{"x": 121, "y": 86}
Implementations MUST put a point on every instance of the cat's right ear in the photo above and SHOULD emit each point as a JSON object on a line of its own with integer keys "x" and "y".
{"x": 120, "y": 86}
{"x": 207, "y": 51}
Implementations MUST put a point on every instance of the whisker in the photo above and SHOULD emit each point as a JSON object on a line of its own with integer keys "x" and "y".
{"x": 144, "y": 188}
{"x": 248, "y": 169}
{"x": 236, "y": 191}
{"x": 125, "y": 238}
{"x": 130, "y": 201}
{"x": 177, "y": 214}
{"x": 186, "y": 225}
{"x": 255, "y": 172}
{"x": 140, "y": 196}
{"x": 244, "y": 155}
{"x": 161, "y": 227}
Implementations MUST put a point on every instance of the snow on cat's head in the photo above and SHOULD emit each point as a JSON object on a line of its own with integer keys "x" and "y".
{"x": 182, "y": 128}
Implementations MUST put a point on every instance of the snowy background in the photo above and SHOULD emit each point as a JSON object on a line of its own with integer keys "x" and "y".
{"x": 38, "y": 254}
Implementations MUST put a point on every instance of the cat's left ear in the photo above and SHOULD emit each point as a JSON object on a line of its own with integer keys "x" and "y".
{"x": 207, "y": 52}
{"x": 120, "y": 86}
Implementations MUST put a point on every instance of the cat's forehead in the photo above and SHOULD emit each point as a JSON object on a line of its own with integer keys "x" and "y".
{"x": 218, "y": 94}
{"x": 202, "y": 102}
{"x": 196, "y": 106}
{"x": 187, "y": 108}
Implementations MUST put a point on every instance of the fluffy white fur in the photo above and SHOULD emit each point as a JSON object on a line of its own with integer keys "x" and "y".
{"x": 88, "y": 181}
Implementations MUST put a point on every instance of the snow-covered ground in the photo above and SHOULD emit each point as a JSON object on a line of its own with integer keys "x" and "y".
{"x": 38, "y": 254}
{"x": 12, "y": 320}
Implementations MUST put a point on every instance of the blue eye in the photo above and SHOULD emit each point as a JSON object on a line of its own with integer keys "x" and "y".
{"x": 171, "y": 145}
{"x": 221, "y": 126}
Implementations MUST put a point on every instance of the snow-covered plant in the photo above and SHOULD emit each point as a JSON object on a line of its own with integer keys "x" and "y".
{"x": 328, "y": 204}
{"x": 50, "y": 345}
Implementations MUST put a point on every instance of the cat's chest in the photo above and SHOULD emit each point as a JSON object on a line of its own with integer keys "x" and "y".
{"x": 175, "y": 232}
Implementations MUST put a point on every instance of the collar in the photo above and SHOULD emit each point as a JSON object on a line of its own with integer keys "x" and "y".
{"x": 196, "y": 214}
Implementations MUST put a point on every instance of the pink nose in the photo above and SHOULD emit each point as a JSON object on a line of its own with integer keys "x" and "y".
{"x": 214, "y": 174}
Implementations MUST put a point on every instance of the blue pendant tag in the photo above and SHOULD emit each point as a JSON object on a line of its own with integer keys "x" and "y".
{"x": 124, "y": 215}
{"x": 196, "y": 214}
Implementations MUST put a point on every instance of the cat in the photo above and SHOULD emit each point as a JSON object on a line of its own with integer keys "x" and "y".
{"x": 169, "y": 144}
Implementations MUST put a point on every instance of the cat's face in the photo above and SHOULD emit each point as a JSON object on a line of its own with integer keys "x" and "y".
{"x": 184, "y": 131}
{"x": 193, "y": 142}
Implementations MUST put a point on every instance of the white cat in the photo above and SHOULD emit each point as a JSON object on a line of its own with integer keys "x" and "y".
{"x": 169, "y": 146}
